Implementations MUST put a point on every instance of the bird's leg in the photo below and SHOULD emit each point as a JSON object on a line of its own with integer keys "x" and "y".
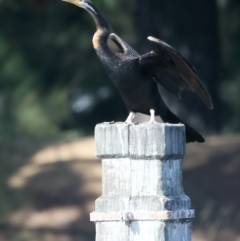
{"x": 152, "y": 119}
{"x": 130, "y": 118}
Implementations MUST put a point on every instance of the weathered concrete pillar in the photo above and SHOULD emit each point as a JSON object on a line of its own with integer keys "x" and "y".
{"x": 142, "y": 195}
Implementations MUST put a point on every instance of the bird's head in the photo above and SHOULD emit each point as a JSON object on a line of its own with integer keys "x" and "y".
{"x": 85, "y": 4}
{"x": 89, "y": 6}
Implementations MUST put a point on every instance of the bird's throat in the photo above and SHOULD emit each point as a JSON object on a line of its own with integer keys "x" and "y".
{"x": 100, "y": 37}
{"x": 96, "y": 39}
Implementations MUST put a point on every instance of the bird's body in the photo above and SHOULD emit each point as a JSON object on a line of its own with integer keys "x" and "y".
{"x": 131, "y": 84}
{"x": 136, "y": 77}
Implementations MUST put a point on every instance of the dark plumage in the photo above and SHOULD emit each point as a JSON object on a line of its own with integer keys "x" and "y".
{"x": 136, "y": 77}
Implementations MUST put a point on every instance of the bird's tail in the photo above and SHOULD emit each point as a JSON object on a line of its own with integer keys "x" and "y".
{"x": 191, "y": 134}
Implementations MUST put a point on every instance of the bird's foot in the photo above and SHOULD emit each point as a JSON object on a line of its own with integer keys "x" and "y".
{"x": 130, "y": 118}
{"x": 152, "y": 119}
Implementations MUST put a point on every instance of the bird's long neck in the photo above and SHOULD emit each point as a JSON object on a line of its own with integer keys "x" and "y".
{"x": 101, "y": 35}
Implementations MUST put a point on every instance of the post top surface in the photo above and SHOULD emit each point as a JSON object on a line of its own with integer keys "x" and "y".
{"x": 156, "y": 124}
{"x": 145, "y": 140}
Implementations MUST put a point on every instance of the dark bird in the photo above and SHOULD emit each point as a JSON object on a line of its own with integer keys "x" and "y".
{"x": 136, "y": 76}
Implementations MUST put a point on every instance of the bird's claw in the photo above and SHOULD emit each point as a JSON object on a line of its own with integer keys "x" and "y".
{"x": 129, "y": 122}
{"x": 152, "y": 122}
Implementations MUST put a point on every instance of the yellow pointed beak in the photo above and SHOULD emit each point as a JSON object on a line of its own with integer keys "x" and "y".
{"x": 74, "y": 2}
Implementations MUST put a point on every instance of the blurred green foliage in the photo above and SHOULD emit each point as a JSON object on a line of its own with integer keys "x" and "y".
{"x": 45, "y": 53}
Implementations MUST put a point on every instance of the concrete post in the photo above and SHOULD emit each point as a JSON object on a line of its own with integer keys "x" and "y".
{"x": 142, "y": 195}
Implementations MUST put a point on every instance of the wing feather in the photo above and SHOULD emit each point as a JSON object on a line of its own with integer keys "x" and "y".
{"x": 172, "y": 71}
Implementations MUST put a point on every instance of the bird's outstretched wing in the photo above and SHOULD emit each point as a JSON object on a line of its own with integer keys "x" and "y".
{"x": 167, "y": 67}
